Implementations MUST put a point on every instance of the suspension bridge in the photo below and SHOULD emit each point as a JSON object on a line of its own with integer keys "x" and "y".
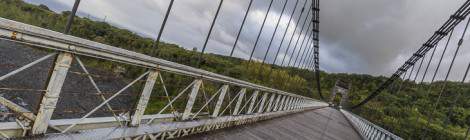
{"x": 196, "y": 103}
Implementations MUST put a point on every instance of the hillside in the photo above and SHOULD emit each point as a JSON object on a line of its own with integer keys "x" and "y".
{"x": 403, "y": 112}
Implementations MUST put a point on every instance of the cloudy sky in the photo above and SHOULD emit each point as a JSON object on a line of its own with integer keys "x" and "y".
{"x": 356, "y": 36}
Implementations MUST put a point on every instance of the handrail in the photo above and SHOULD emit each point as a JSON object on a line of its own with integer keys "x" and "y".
{"x": 367, "y": 129}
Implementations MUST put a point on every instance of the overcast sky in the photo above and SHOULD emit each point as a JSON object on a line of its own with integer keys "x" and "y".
{"x": 356, "y": 36}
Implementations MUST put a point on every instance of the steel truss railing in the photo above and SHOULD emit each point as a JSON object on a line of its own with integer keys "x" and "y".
{"x": 368, "y": 130}
{"x": 271, "y": 104}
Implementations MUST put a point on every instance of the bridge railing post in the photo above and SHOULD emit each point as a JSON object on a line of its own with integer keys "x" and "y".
{"x": 239, "y": 101}
{"x": 270, "y": 104}
{"x": 276, "y": 104}
{"x": 263, "y": 102}
{"x": 289, "y": 104}
{"x": 281, "y": 103}
{"x": 192, "y": 98}
{"x": 144, "y": 98}
{"x": 252, "y": 102}
{"x": 299, "y": 103}
{"x": 50, "y": 98}
{"x": 218, "y": 105}
{"x": 294, "y": 103}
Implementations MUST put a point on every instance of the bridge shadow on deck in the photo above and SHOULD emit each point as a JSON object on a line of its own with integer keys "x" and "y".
{"x": 319, "y": 124}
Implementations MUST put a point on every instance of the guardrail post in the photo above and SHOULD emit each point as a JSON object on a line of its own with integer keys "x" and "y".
{"x": 270, "y": 104}
{"x": 253, "y": 102}
{"x": 282, "y": 103}
{"x": 218, "y": 105}
{"x": 239, "y": 101}
{"x": 369, "y": 131}
{"x": 276, "y": 104}
{"x": 294, "y": 103}
{"x": 50, "y": 98}
{"x": 144, "y": 98}
{"x": 191, "y": 100}
{"x": 263, "y": 100}
{"x": 288, "y": 103}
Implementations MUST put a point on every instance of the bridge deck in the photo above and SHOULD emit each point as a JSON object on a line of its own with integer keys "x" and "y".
{"x": 325, "y": 123}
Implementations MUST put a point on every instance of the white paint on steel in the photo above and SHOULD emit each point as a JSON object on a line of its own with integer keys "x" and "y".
{"x": 191, "y": 100}
{"x": 263, "y": 101}
{"x": 252, "y": 102}
{"x": 50, "y": 98}
{"x": 239, "y": 101}
{"x": 144, "y": 97}
{"x": 218, "y": 105}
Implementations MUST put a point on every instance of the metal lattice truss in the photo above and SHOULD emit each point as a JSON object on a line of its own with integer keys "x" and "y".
{"x": 251, "y": 102}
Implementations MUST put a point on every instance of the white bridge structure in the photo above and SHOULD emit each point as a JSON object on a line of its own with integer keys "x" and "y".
{"x": 263, "y": 102}
{"x": 193, "y": 108}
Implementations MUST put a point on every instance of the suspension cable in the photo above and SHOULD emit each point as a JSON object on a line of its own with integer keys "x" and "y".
{"x": 209, "y": 34}
{"x": 447, "y": 75}
{"x": 241, "y": 28}
{"x": 293, "y": 33}
{"x": 157, "y": 42}
{"x": 309, "y": 49}
{"x": 419, "y": 68}
{"x": 260, "y": 31}
{"x": 438, "y": 65}
{"x": 302, "y": 44}
{"x": 404, "y": 77}
{"x": 429, "y": 63}
{"x": 443, "y": 31}
{"x": 275, "y": 30}
{"x": 452, "y": 106}
{"x": 297, "y": 41}
{"x": 285, "y": 32}
{"x": 316, "y": 53}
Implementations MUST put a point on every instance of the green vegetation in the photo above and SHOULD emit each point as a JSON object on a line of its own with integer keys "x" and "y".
{"x": 404, "y": 112}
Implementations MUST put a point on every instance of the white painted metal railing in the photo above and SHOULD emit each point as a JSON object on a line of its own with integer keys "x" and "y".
{"x": 272, "y": 102}
{"x": 367, "y": 129}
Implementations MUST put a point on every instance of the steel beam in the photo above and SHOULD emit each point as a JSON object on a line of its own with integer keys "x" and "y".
{"x": 263, "y": 100}
{"x": 239, "y": 101}
{"x": 144, "y": 97}
{"x": 288, "y": 104}
{"x": 218, "y": 105}
{"x": 276, "y": 104}
{"x": 270, "y": 104}
{"x": 283, "y": 103}
{"x": 50, "y": 98}
{"x": 252, "y": 102}
{"x": 191, "y": 100}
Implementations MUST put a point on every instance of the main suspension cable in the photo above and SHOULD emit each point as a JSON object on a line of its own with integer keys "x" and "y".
{"x": 443, "y": 31}
{"x": 447, "y": 74}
